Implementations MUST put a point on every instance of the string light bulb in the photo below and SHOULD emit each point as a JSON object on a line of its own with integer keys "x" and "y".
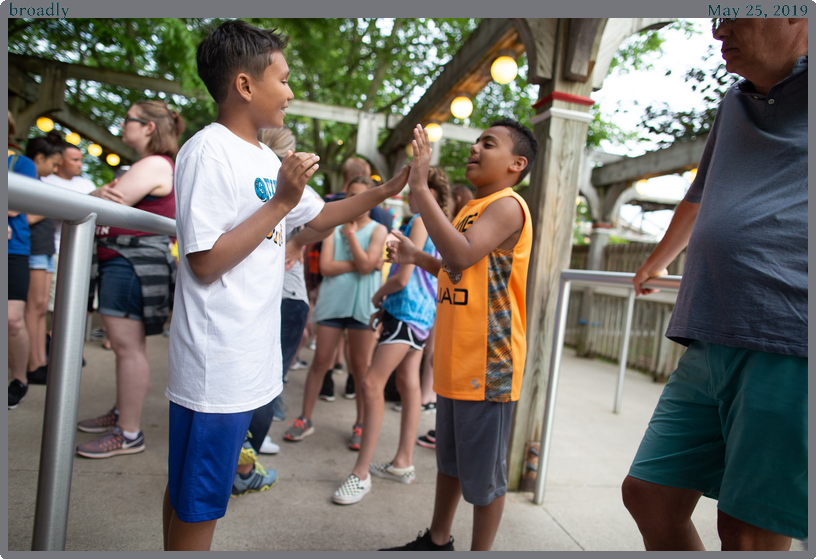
{"x": 434, "y": 131}
{"x": 95, "y": 150}
{"x": 461, "y": 106}
{"x": 45, "y": 124}
{"x": 504, "y": 69}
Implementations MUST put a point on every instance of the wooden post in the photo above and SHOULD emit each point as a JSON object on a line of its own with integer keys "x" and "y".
{"x": 561, "y": 131}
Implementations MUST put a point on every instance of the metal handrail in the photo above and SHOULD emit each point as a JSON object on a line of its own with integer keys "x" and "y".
{"x": 589, "y": 278}
{"x": 80, "y": 214}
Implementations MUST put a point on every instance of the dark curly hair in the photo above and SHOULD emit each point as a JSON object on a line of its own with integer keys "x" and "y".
{"x": 524, "y": 142}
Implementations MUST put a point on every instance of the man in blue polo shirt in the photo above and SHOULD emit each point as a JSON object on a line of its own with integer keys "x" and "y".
{"x": 731, "y": 423}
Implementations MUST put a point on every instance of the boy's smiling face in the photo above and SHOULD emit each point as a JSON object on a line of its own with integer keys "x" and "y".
{"x": 272, "y": 94}
{"x": 491, "y": 159}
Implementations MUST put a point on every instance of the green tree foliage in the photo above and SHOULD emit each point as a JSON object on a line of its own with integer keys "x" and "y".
{"x": 372, "y": 64}
{"x": 670, "y": 126}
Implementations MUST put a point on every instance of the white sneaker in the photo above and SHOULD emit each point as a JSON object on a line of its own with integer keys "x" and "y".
{"x": 313, "y": 344}
{"x": 386, "y": 470}
{"x": 352, "y": 491}
{"x": 298, "y": 365}
{"x": 268, "y": 447}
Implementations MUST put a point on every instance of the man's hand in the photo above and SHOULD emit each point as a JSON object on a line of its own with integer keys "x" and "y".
{"x": 395, "y": 185}
{"x": 108, "y": 192}
{"x": 9, "y": 232}
{"x": 294, "y": 253}
{"x": 295, "y": 172}
{"x": 642, "y": 275}
{"x": 422, "y": 159}
{"x": 401, "y": 251}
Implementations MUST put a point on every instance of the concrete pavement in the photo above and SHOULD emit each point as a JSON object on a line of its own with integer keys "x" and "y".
{"x": 116, "y": 503}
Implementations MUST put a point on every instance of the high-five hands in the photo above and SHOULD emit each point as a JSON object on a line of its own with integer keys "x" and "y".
{"x": 295, "y": 172}
{"x": 395, "y": 185}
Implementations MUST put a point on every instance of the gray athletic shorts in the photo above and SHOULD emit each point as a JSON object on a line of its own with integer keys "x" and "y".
{"x": 471, "y": 445}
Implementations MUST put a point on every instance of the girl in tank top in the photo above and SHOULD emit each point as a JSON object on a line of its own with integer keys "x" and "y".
{"x": 350, "y": 262}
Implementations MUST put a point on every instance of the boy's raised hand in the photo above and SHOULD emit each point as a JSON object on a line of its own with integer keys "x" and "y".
{"x": 295, "y": 172}
{"x": 401, "y": 251}
{"x": 422, "y": 158}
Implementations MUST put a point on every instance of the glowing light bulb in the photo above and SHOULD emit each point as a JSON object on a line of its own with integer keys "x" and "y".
{"x": 73, "y": 138}
{"x": 45, "y": 124}
{"x": 434, "y": 132}
{"x": 462, "y": 106}
{"x": 95, "y": 150}
{"x": 504, "y": 69}
{"x": 112, "y": 159}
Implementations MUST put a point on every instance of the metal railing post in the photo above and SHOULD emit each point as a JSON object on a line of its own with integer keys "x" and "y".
{"x": 624, "y": 350}
{"x": 62, "y": 395}
{"x": 552, "y": 386}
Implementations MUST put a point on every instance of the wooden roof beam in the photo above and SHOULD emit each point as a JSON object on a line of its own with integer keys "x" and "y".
{"x": 468, "y": 71}
{"x": 36, "y": 65}
{"x": 677, "y": 158}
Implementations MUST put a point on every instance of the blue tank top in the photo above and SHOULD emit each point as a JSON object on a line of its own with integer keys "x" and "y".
{"x": 416, "y": 302}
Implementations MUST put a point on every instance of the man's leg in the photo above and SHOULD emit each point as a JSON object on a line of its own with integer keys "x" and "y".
{"x": 663, "y": 515}
{"x": 486, "y": 522}
{"x": 448, "y": 493}
{"x": 737, "y": 535}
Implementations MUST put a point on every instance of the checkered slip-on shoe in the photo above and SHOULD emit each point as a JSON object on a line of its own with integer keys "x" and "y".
{"x": 352, "y": 491}
{"x": 386, "y": 470}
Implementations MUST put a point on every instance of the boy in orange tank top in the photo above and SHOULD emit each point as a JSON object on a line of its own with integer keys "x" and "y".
{"x": 480, "y": 328}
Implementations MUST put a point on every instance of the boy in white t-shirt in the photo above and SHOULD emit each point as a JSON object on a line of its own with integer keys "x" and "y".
{"x": 234, "y": 199}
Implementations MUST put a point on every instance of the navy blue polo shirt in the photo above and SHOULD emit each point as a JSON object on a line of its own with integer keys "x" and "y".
{"x": 745, "y": 282}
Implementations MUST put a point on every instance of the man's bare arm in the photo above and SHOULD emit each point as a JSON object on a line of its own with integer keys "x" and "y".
{"x": 673, "y": 242}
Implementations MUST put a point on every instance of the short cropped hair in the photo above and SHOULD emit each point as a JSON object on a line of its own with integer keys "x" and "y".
{"x": 354, "y": 167}
{"x": 235, "y": 46}
{"x": 524, "y": 142}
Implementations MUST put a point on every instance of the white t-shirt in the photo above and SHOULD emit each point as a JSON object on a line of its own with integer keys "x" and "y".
{"x": 225, "y": 354}
{"x": 77, "y": 184}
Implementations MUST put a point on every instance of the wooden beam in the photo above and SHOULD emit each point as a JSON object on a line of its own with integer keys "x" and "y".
{"x": 583, "y": 34}
{"x": 538, "y": 37}
{"x": 468, "y": 71}
{"x": 36, "y": 65}
{"x": 677, "y": 158}
{"x": 22, "y": 85}
{"x": 76, "y": 121}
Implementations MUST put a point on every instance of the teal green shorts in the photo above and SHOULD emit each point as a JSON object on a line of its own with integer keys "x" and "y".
{"x": 732, "y": 424}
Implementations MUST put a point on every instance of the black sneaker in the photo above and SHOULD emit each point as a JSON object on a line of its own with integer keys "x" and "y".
{"x": 17, "y": 393}
{"x": 39, "y": 376}
{"x": 349, "y": 395}
{"x": 422, "y": 543}
{"x": 327, "y": 390}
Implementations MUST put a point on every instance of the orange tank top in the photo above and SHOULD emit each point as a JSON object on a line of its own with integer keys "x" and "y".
{"x": 480, "y": 345}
